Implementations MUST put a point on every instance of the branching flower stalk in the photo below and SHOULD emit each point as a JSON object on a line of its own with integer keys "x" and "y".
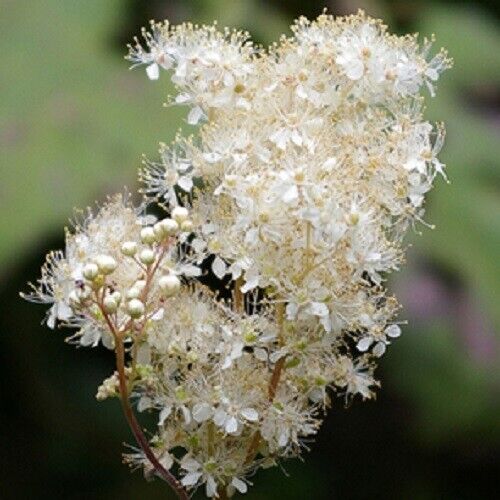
{"x": 310, "y": 162}
{"x": 124, "y": 390}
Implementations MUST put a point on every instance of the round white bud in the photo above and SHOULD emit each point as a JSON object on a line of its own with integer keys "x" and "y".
{"x": 169, "y": 284}
{"x": 133, "y": 293}
{"x": 147, "y": 256}
{"x": 109, "y": 304}
{"x": 90, "y": 271}
{"x": 129, "y": 248}
{"x": 135, "y": 308}
{"x": 170, "y": 226}
{"x": 106, "y": 264}
{"x": 159, "y": 231}
{"x": 180, "y": 214}
{"x": 187, "y": 225}
{"x": 148, "y": 235}
{"x": 117, "y": 296}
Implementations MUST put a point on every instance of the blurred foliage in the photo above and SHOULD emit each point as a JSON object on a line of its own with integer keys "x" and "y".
{"x": 467, "y": 211}
{"x": 73, "y": 124}
{"x": 452, "y": 392}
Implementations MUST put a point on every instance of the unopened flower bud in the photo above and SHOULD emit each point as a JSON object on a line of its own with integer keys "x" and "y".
{"x": 129, "y": 248}
{"x": 90, "y": 271}
{"x": 117, "y": 296}
{"x": 147, "y": 256}
{"x": 187, "y": 225}
{"x": 171, "y": 226}
{"x": 148, "y": 235}
{"x": 135, "y": 308}
{"x": 180, "y": 214}
{"x": 169, "y": 284}
{"x": 109, "y": 304}
{"x": 106, "y": 264}
{"x": 133, "y": 293}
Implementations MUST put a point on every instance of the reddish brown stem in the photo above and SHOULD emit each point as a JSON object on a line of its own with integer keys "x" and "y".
{"x": 139, "y": 436}
{"x": 252, "y": 449}
{"x": 275, "y": 378}
{"x": 273, "y": 383}
{"x": 238, "y": 295}
{"x": 136, "y": 429}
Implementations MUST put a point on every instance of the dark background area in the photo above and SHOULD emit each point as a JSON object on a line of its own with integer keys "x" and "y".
{"x": 73, "y": 124}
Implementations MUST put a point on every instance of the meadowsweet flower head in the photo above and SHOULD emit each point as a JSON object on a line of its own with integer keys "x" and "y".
{"x": 312, "y": 160}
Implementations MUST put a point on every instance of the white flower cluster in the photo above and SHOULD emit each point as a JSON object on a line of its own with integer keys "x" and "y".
{"x": 311, "y": 162}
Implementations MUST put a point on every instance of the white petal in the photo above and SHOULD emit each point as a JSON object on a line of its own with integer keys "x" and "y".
{"x": 228, "y": 361}
{"x": 153, "y": 71}
{"x": 250, "y": 414}
{"x": 211, "y": 487}
{"x": 393, "y": 331}
{"x": 260, "y": 354}
{"x": 202, "y": 412}
{"x": 220, "y": 417}
{"x": 276, "y": 355}
{"x": 91, "y": 336}
{"x": 190, "y": 270}
{"x": 251, "y": 236}
{"x": 355, "y": 69}
{"x": 164, "y": 414}
{"x": 327, "y": 323}
{"x": 195, "y": 115}
{"x": 318, "y": 309}
{"x": 219, "y": 267}
{"x": 144, "y": 354}
{"x": 190, "y": 464}
{"x": 291, "y": 310}
{"x": 301, "y": 91}
{"x": 107, "y": 340}
{"x": 231, "y": 425}
{"x": 158, "y": 315}
{"x": 237, "y": 350}
{"x": 329, "y": 164}
{"x": 432, "y": 74}
{"x": 379, "y": 349}
{"x": 167, "y": 461}
{"x": 240, "y": 485}
{"x": 280, "y": 138}
{"x": 283, "y": 438}
{"x": 185, "y": 183}
{"x": 198, "y": 245}
{"x": 182, "y": 98}
{"x": 296, "y": 138}
{"x": 212, "y": 157}
{"x": 51, "y": 319}
{"x": 364, "y": 344}
{"x": 250, "y": 284}
{"x": 144, "y": 403}
{"x": 186, "y": 414}
{"x": 64, "y": 311}
{"x": 291, "y": 194}
{"x": 191, "y": 478}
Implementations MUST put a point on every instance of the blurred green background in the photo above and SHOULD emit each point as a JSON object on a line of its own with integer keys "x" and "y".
{"x": 73, "y": 124}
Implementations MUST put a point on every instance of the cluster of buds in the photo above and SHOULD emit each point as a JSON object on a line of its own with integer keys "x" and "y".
{"x": 312, "y": 162}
